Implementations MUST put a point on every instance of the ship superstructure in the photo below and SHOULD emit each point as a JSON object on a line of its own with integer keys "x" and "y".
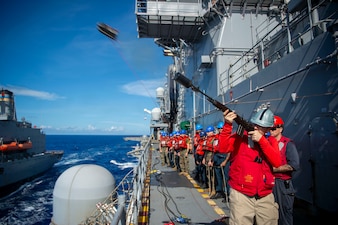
{"x": 23, "y": 152}
{"x": 250, "y": 54}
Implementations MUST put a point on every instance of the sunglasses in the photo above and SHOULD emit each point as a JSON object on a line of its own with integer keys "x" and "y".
{"x": 274, "y": 128}
{"x": 265, "y": 129}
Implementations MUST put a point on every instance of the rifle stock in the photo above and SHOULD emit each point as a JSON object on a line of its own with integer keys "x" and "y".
{"x": 242, "y": 123}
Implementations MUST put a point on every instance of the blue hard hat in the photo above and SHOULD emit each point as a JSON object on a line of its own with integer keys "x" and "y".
{"x": 199, "y": 127}
{"x": 220, "y": 125}
{"x": 203, "y": 134}
{"x": 210, "y": 129}
{"x": 183, "y": 132}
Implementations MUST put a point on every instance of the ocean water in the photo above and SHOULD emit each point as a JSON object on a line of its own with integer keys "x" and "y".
{"x": 32, "y": 203}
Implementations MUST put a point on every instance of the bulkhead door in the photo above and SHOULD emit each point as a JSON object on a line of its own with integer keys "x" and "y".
{"x": 324, "y": 161}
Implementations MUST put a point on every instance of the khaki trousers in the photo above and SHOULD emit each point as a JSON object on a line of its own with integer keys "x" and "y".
{"x": 244, "y": 209}
{"x": 184, "y": 161}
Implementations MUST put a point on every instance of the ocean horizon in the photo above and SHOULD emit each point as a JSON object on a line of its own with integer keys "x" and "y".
{"x": 32, "y": 203}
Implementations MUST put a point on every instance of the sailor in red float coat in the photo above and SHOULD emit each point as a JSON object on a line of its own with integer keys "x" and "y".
{"x": 220, "y": 159}
{"x": 199, "y": 148}
{"x": 250, "y": 175}
{"x": 170, "y": 150}
{"x": 197, "y": 137}
{"x": 283, "y": 142}
{"x": 208, "y": 148}
{"x": 176, "y": 147}
{"x": 163, "y": 146}
{"x": 283, "y": 190}
{"x": 200, "y": 175}
{"x": 184, "y": 142}
{"x": 196, "y": 140}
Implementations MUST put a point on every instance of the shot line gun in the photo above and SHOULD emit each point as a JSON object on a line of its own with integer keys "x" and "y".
{"x": 242, "y": 123}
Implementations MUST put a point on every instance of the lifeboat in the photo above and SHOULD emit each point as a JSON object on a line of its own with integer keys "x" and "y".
{"x": 16, "y": 146}
{"x": 25, "y": 145}
{"x": 10, "y": 146}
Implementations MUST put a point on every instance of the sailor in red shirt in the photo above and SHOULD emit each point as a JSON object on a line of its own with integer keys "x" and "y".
{"x": 251, "y": 178}
{"x": 208, "y": 149}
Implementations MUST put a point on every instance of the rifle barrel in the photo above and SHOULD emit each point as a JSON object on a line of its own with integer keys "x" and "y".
{"x": 183, "y": 80}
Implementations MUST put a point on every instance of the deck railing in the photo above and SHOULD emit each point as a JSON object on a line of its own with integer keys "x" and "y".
{"x": 272, "y": 45}
{"x": 169, "y": 8}
{"x": 124, "y": 203}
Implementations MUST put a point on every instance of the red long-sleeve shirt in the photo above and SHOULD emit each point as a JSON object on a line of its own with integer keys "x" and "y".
{"x": 250, "y": 166}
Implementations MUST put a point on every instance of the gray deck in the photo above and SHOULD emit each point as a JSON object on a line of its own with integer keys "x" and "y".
{"x": 181, "y": 195}
{"x": 171, "y": 193}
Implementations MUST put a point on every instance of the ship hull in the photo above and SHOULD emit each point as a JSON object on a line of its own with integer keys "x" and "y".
{"x": 16, "y": 172}
{"x": 306, "y": 98}
{"x": 280, "y": 57}
{"x": 310, "y": 118}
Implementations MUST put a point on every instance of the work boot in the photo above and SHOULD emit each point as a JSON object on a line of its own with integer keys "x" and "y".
{"x": 226, "y": 199}
{"x": 218, "y": 195}
{"x": 204, "y": 186}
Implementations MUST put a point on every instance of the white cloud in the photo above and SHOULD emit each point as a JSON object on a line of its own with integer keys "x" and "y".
{"x": 113, "y": 129}
{"x": 45, "y": 127}
{"x": 32, "y": 93}
{"x": 145, "y": 88}
{"x": 91, "y": 127}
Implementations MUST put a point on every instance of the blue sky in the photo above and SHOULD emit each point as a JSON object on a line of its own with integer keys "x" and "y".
{"x": 68, "y": 78}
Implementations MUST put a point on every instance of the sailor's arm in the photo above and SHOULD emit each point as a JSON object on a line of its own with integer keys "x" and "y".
{"x": 226, "y": 140}
{"x": 292, "y": 159}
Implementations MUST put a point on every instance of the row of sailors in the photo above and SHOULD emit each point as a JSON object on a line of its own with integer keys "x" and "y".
{"x": 210, "y": 163}
{"x": 175, "y": 149}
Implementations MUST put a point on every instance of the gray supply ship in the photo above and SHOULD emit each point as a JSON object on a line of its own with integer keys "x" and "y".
{"x": 246, "y": 55}
{"x": 22, "y": 148}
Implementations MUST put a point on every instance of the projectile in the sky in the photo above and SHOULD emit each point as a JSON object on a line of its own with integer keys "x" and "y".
{"x": 107, "y": 30}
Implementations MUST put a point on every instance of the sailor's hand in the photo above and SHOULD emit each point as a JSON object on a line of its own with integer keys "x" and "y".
{"x": 210, "y": 163}
{"x": 229, "y": 116}
{"x": 224, "y": 163}
{"x": 255, "y": 135}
